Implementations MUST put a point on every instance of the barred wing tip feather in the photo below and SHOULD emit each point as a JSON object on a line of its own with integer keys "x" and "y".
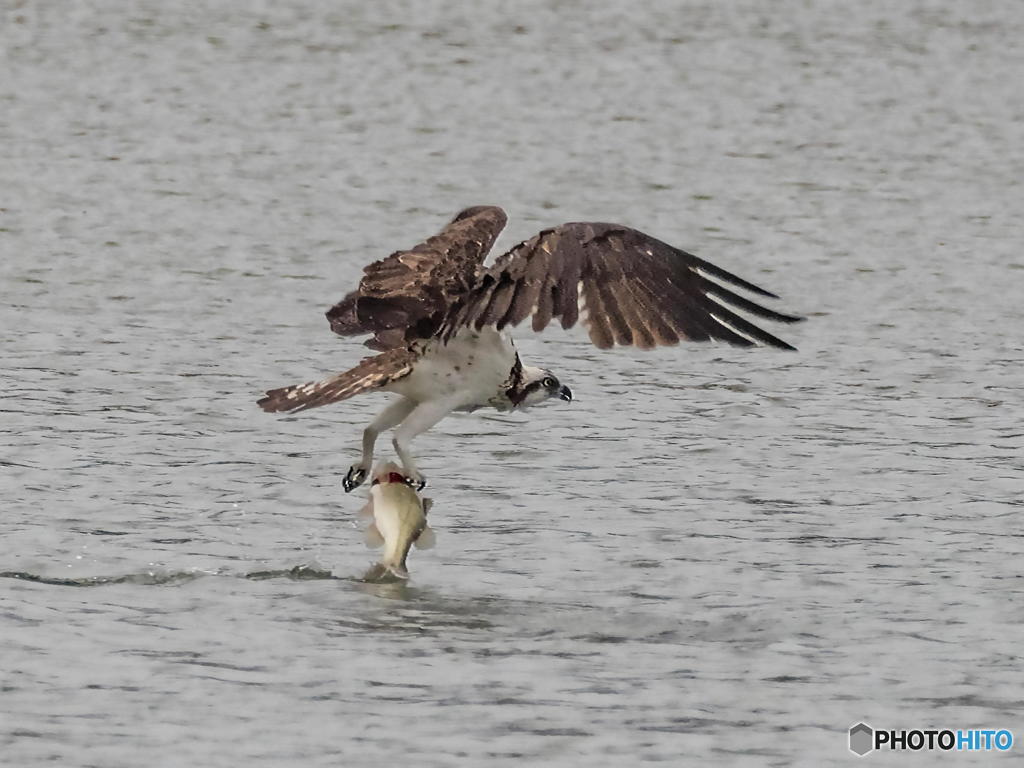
{"x": 627, "y": 287}
{"x": 371, "y": 373}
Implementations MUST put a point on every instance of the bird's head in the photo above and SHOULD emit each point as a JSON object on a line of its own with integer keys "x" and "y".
{"x": 536, "y": 385}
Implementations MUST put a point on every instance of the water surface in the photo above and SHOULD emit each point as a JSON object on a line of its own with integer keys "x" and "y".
{"x": 716, "y": 556}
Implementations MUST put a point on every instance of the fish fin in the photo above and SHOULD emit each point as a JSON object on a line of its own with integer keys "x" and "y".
{"x": 372, "y": 536}
{"x": 428, "y": 504}
{"x": 426, "y": 539}
{"x": 367, "y": 510}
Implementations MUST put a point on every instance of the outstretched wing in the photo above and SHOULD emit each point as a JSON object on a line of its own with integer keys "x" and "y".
{"x": 371, "y": 373}
{"x": 626, "y": 286}
{"x": 406, "y": 295}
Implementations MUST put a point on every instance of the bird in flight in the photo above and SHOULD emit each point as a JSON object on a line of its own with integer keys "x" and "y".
{"x": 436, "y": 315}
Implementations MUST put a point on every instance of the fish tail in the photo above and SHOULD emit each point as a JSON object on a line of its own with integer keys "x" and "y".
{"x": 396, "y": 565}
{"x": 382, "y": 573}
{"x": 399, "y": 572}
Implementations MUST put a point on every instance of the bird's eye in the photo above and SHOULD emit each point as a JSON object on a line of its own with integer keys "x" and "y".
{"x": 549, "y": 382}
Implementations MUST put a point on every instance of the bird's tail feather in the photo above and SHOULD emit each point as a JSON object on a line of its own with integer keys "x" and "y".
{"x": 371, "y": 373}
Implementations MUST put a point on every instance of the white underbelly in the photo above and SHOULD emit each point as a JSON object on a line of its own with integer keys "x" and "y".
{"x": 473, "y": 367}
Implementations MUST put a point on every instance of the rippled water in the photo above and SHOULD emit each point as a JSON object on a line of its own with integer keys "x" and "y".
{"x": 715, "y": 556}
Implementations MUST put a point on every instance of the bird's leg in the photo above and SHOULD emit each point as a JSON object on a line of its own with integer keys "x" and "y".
{"x": 422, "y": 418}
{"x": 387, "y": 418}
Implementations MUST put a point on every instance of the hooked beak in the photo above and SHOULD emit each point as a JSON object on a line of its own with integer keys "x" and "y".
{"x": 565, "y": 394}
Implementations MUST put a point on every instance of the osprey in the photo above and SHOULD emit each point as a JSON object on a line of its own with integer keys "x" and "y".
{"x": 436, "y": 316}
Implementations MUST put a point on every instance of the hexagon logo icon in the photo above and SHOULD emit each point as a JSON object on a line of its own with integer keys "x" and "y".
{"x": 861, "y": 739}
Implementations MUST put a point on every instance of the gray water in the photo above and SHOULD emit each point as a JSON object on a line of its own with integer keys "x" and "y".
{"x": 713, "y": 557}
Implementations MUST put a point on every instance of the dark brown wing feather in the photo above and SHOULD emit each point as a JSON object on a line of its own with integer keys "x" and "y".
{"x": 634, "y": 289}
{"x": 371, "y": 373}
{"x": 407, "y": 295}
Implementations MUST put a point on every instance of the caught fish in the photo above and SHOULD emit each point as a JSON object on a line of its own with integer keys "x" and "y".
{"x": 399, "y": 520}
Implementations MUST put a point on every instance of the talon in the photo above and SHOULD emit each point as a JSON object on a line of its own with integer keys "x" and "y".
{"x": 418, "y": 482}
{"x": 355, "y": 477}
